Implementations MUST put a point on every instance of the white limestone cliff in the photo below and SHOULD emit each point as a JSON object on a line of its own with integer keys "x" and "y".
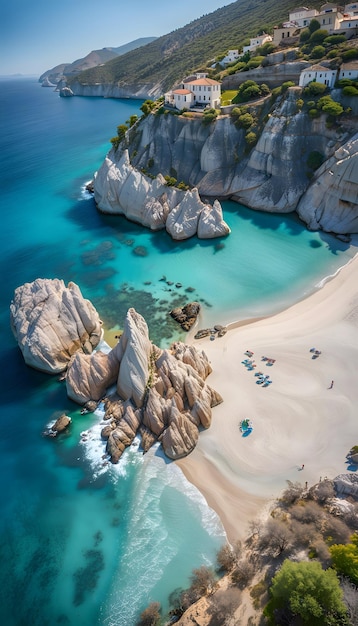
{"x": 51, "y": 322}
{"x": 120, "y": 188}
{"x": 331, "y": 201}
{"x": 216, "y": 162}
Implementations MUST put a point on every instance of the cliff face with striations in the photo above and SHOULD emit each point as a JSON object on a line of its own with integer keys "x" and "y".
{"x": 120, "y": 188}
{"x": 216, "y": 160}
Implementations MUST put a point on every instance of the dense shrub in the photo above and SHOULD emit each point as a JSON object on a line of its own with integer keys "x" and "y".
{"x": 345, "y": 558}
{"x": 315, "y": 89}
{"x": 318, "y": 36}
{"x": 318, "y": 52}
{"x": 334, "y": 39}
{"x": 350, "y": 90}
{"x": 315, "y": 160}
{"x": 246, "y": 120}
{"x": 251, "y": 138}
{"x": 330, "y": 106}
{"x": 305, "y": 35}
{"x": 255, "y": 62}
{"x": 348, "y": 55}
{"x": 209, "y": 116}
{"x": 266, "y": 49}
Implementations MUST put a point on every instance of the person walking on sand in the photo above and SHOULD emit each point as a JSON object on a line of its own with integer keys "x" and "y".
{"x": 331, "y": 385}
{"x": 303, "y": 466}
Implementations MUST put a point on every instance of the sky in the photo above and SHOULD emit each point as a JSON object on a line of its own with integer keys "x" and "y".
{"x": 37, "y": 35}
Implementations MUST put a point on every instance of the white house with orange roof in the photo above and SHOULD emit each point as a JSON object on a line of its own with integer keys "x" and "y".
{"x": 199, "y": 90}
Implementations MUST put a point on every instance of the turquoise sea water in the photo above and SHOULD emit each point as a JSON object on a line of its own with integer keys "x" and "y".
{"x": 81, "y": 543}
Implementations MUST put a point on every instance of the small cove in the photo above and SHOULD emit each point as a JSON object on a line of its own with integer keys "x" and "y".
{"x": 74, "y": 535}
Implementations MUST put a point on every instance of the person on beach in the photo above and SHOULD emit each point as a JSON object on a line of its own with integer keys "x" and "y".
{"x": 303, "y": 466}
{"x": 331, "y": 385}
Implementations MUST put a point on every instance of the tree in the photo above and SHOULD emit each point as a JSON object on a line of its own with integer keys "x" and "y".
{"x": 307, "y": 591}
{"x": 318, "y": 36}
{"x": 345, "y": 558}
{"x": 150, "y": 615}
{"x": 202, "y": 580}
{"x": 227, "y": 556}
{"x": 313, "y": 26}
{"x": 318, "y": 52}
{"x": 276, "y": 538}
{"x": 147, "y": 106}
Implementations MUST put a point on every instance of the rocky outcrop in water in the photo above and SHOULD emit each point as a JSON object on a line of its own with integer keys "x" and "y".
{"x": 51, "y": 322}
{"x": 162, "y": 394}
{"x": 122, "y": 189}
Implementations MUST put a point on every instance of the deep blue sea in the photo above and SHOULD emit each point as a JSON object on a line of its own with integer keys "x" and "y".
{"x": 81, "y": 543}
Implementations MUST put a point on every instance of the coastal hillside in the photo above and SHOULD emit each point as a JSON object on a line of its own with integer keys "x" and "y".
{"x": 92, "y": 59}
{"x": 152, "y": 70}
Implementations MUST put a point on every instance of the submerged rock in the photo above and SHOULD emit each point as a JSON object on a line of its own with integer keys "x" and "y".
{"x": 61, "y": 423}
{"x": 187, "y": 315}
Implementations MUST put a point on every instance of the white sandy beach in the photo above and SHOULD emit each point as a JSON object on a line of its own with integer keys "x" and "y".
{"x": 297, "y": 419}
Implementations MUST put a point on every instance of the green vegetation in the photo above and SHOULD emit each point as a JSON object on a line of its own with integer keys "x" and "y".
{"x": 227, "y": 96}
{"x": 250, "y": 90}
{"x": 168, "y": 59}
{"x": 209, "y": 116}
{"x": 345, "y": 558}
{"x": 306, "y": 590}
{"x": 315, "y": 160}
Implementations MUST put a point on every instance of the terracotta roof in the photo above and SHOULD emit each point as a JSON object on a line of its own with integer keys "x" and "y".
{"x": 318, "y": 68}
{"x": 352, "y": 65}
{"x": 182, "y": 91}
{"x": 204, "y": 81}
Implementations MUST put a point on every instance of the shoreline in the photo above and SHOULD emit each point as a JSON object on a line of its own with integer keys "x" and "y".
{"x": 297, "y": 420}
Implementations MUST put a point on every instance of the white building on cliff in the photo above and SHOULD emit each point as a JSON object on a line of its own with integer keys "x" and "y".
{"x": 256, "y": 42}
{"x": 199, "y": 91}
{"x": 318, "y": 74}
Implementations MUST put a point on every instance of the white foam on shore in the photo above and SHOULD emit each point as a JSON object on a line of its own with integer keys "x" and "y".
{"x": 156, "y": 466}
{"x": 84, "y": 193}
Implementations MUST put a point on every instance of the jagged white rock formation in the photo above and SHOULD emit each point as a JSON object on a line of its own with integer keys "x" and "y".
{"x": 134, "y": 353}
{"x": 122, "y": 189}
{"x": 161, "y": 392}
{"x": 51, "y": 322}
{"x": 331, "y": 201}
{"x": 88, "y": 376}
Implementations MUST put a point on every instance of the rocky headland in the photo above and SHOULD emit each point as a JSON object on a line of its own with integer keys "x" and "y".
{"x": 160, "y": 394}
{"x": 215, "y": 162}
